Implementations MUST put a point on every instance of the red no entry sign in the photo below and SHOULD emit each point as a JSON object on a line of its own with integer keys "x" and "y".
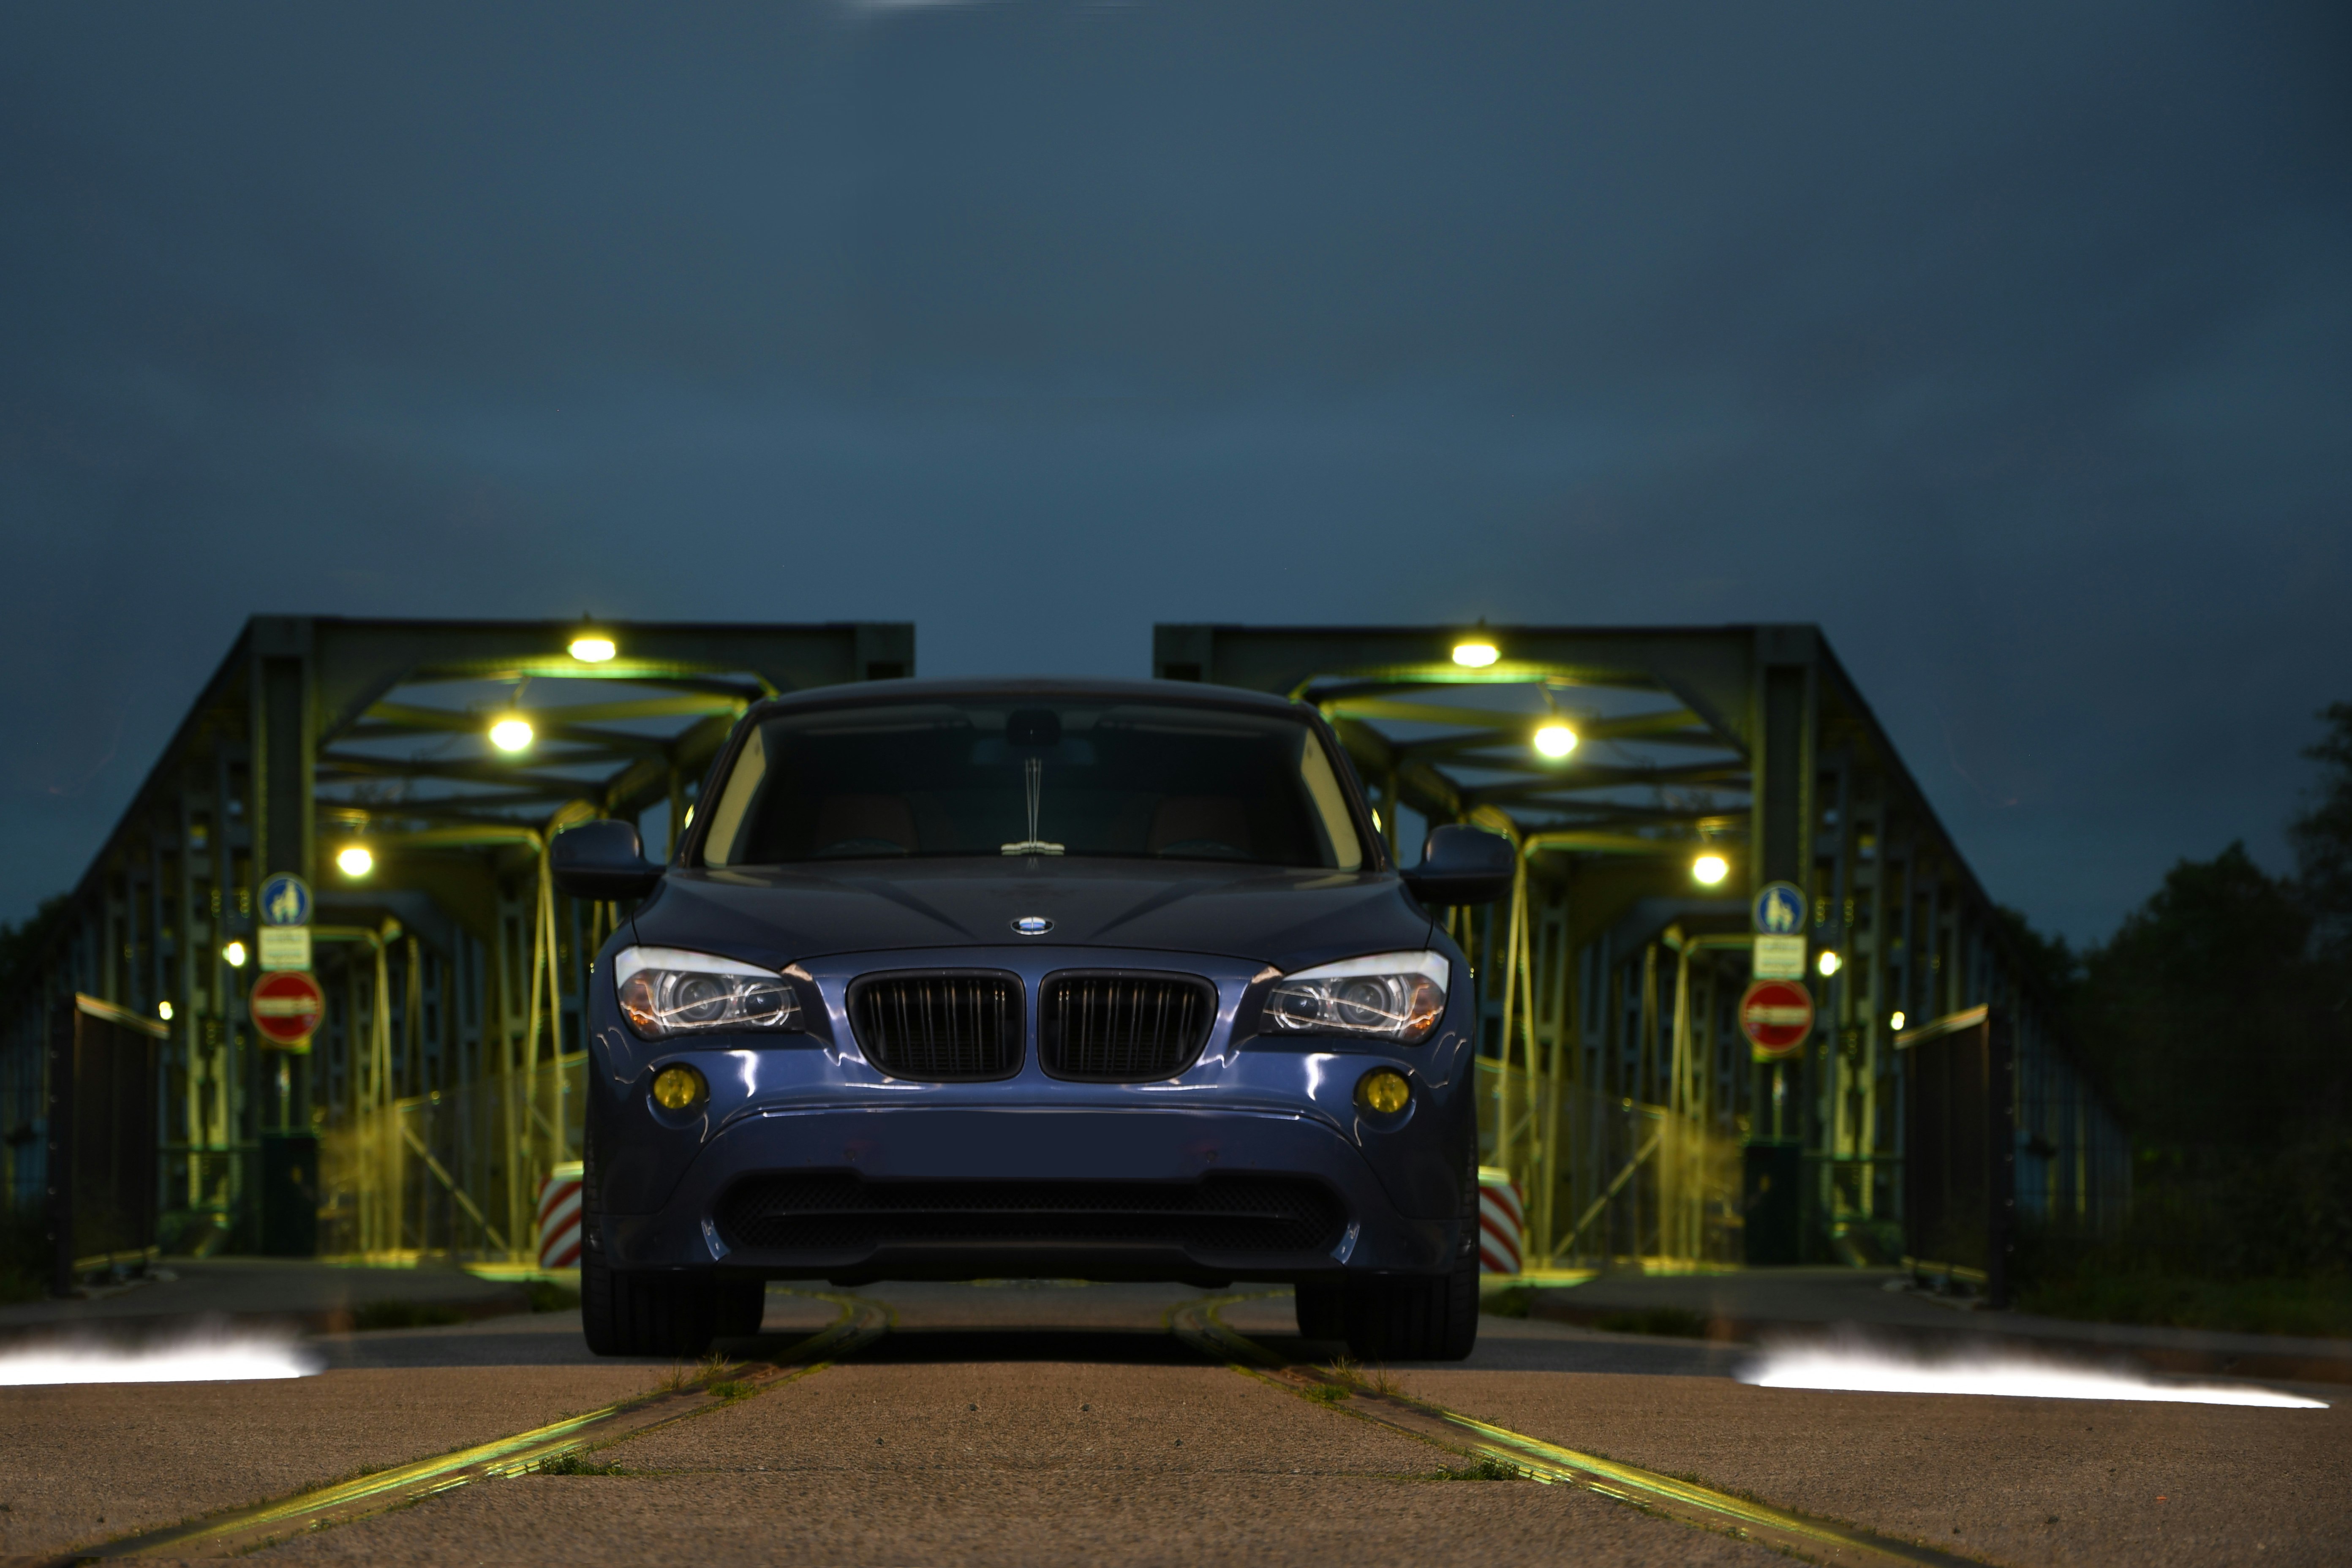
{"x": 287, "y": 1006}
{"x": 1777, "y": 1015}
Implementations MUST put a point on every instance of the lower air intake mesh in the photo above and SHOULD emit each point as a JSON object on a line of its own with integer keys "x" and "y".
{"x": 842, "y": 1212}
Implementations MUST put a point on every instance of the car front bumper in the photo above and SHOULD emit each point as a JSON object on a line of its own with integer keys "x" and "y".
{"x": 1247, "y": 1118}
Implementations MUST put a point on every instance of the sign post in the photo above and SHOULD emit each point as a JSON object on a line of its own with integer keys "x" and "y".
{"x": 1776, "y": 1015}
{"x": 287, "y": 1006}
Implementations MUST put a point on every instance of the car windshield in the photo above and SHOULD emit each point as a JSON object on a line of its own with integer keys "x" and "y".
{"x": 1033, "y": 776}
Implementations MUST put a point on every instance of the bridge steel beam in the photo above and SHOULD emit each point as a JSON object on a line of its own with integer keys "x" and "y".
{"x": 451, "y": 963}
{"x": 1622, "y": 1095}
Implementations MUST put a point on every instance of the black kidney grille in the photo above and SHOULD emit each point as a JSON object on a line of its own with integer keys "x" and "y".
{"x": 842, "y": 1212}
{"x": 1123, "y": 1028}
{"x": 940, "y": 1028}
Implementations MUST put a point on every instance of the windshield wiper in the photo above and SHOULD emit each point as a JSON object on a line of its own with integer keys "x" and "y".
{"x": 1033, "y": 772}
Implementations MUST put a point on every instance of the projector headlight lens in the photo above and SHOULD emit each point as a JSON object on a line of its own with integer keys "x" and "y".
{"x": 667, "y": 991}
{"x": 1396, "y": 996}
{"x": 678, "y": 1087}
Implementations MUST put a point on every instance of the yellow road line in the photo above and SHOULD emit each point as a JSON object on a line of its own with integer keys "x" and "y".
{"x": 1820, "y": 1539}
{"x": 240, "y": 1530}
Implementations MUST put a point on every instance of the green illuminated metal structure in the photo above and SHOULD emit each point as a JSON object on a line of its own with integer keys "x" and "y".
{"x": 1621, "y": 1093}
{"x": 439, "y": 1086}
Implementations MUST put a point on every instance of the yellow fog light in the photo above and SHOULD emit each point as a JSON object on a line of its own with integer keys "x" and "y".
{"x": 678, "y": 1088}
{"x": 1384, "y": 1091}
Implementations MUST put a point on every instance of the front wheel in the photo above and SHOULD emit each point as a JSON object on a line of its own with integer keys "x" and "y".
{"x": 1414, "y": 1317}
{"x": 623, "y": 1313}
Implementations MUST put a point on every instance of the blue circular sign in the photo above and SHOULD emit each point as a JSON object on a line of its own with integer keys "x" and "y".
{"x": 1780, "y": 909}
{"x": 285, "y": 901}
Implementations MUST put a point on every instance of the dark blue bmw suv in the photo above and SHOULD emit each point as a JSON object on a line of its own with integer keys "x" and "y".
{"x": 1094, "y": 980}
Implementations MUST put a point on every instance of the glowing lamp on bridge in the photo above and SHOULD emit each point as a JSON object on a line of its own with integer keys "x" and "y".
{"x": 1829, "y": 962}
{"x": 1554, "y": 740}
{"x": 1895, "y": 1022}
{"x": 1710, "y": 868}
{"x": 593, "y": 649}
{"x": 1476, "y": 655}
{"x": 163, "y": 1011}
{"x": 234, "y": 955}
{"x": 511, "y": 734}
{"x": 355, "y": 860}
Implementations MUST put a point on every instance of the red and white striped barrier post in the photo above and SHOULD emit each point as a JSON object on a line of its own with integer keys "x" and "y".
{"x": 1499, "y": 1212}
{"x": 559, "y": 1217}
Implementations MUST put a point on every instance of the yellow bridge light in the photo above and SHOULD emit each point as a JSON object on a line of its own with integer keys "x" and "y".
{"x": 355, "y": 860}
{"x": 1555, "y": 740}
{"x": 592, "y": 651}
{"x": 234, "y": 955}
{"x": 1829, "y": 962}
{"x": 1895, "y": 1022}
{"x": 1710, "y": 868}
{"x": 1476, "y": 655}
{"x": 163, "y": 1011}
{"x": 511, "y": 734}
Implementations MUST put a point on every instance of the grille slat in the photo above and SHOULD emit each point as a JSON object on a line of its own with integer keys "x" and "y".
{"x": 938, "y": 1028}
{"x": 1124, "y": 1028}
{"x": 1221, "y": 1216}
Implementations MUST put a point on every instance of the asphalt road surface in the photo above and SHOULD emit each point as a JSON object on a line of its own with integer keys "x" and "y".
{"x": 1045, "y": 1423}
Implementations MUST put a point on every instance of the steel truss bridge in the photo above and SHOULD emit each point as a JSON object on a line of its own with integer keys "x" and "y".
{"x": 1621, "y": 1095}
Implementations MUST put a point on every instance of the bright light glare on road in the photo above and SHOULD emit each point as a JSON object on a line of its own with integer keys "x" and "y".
{"x": 1865, "y": 1369}
{"x": 1555, "y": 740}
{"x": 511, "y": 734}
{"x": 1710, "y": 868}
{"x": 222, "y": 1360}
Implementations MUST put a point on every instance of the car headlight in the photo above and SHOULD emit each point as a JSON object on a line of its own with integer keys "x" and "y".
{"x": 667, "y": 991}
{"x": 1395, "y": 996}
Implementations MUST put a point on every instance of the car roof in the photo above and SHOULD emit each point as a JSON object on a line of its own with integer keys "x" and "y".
{"x": 1188, "y": 693}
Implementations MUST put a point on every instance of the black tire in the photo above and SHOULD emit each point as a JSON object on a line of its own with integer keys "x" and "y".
{"x": 739, "y": 1308}
{"x": 627, "y": 1313}
{"x": 1422, "y": 1317}
{"x": 1322, "y": 1309}
{"x": 1414, "y": 1317}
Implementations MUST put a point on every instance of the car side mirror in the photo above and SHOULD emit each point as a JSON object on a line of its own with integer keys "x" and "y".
{"x": 602, "y": 859}
{"x": 1462, "y": 865}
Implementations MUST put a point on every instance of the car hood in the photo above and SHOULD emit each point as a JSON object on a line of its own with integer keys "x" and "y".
{"x": 1285, "y": 918}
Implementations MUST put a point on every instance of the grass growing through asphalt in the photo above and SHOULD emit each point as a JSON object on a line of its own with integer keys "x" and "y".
{"x": 714, "y": 1373}
{"x": 576, "y": 1463}
{"x": 1363, "y": 1379}
{"x": 1481, "y": 1470}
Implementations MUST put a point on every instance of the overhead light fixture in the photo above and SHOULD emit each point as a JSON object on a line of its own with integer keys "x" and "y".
{"x": 1476, "y": 655}
{"x": 1829, "y": 962}
{"x": 355, "y": 860}
{"x": 234, "y": 955}
{"x": 163, "y": 1011}
{"x": 1555, "y": 740}
{"x": 1710, "y": 868}
{"x": 511, "y": 734}
{"x": 593, "y": 649}
{"x": 1895, "y": 1022}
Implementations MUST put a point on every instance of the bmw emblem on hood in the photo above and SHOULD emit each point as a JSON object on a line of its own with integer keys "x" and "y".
{"x": 1033, "y": 925}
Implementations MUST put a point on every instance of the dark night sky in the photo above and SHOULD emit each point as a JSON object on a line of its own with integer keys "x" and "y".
{"x": 2011, "y": 343}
